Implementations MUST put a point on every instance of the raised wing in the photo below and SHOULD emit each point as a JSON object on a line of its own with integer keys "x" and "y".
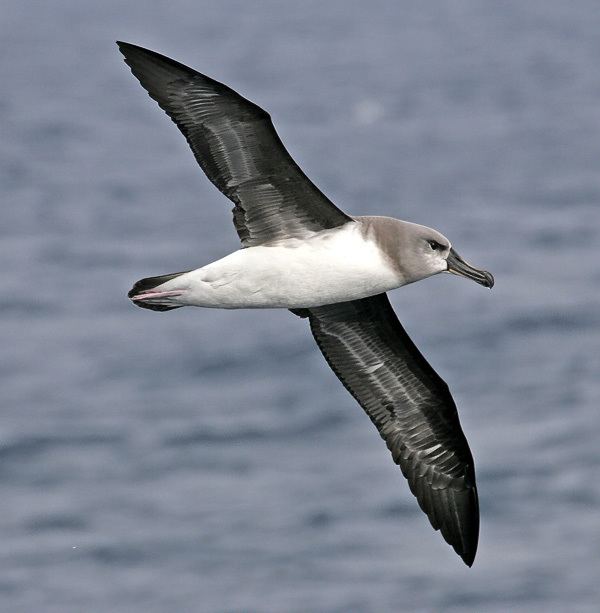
{"x": 411, "y": 406}
{"x": 236, "y": 145}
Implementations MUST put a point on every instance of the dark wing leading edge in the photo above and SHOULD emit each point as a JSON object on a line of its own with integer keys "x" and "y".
{"x": 236, "y": 145}
{"x": 411, "y": 406}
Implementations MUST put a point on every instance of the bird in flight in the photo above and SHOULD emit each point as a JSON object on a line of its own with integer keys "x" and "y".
{"x": 300, "y": 252}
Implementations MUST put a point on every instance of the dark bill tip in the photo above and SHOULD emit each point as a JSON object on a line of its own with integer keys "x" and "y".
{"x": 489, "y": 279}
{"x": 457, "y": 266}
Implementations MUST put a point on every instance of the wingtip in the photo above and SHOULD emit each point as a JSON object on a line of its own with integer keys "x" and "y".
{"x": 460, "y": 528}
{"x": 124, "y": 47}
{"x": 128, "y": 49}
{"x": 468, "y": 557}
{"x": 468, "y": 550}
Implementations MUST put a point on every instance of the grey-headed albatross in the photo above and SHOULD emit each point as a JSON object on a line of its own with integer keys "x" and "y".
{"x": 300, "y": 252}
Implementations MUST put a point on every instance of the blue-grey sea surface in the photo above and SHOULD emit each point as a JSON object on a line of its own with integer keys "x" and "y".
{"x": 209, "y": 461}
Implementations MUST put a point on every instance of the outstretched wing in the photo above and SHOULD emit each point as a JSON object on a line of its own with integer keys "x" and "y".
{"x": 236, "y": 145}
{"x": 411, "y": 406}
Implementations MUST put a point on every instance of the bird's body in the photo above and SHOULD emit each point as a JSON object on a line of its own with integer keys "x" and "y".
{"x": 300, "y": 252}
{"x": 337, "y": 265}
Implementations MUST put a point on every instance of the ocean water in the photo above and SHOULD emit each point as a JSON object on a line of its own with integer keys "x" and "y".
{"x": 201, "y": 460}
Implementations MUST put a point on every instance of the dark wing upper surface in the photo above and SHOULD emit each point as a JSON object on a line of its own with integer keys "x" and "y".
{"x": 411, "y": 406}
{"x": 236, "y": 145}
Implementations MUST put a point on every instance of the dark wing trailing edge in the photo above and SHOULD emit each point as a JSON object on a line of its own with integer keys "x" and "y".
{"x": 236, "y": 145}
{"x": 411, "y": 406}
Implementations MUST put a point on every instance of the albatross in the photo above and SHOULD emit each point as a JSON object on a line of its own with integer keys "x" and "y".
{"x": 301, "y": 252}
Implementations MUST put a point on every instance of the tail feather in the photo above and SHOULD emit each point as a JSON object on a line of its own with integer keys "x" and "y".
{"x": 145, "y": 285}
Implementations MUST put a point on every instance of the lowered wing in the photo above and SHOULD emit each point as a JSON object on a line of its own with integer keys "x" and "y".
{"x": 411, "y": 407}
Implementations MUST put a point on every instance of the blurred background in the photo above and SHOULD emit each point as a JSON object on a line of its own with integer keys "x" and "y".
{"x": 209, "y": 461}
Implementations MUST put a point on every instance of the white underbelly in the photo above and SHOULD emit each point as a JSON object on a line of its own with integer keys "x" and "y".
{"x": 333, "y": 266}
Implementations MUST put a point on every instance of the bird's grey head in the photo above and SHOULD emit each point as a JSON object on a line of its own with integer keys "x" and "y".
{"x": 421, "y": 252}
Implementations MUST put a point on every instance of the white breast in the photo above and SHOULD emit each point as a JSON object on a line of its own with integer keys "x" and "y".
{"x": 331, "y": 266}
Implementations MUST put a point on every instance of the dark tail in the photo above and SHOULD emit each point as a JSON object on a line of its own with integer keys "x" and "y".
{"x": 149, "y": 283}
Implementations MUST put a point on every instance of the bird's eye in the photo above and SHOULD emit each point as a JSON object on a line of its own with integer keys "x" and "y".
{"x": 435, "y": 245}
